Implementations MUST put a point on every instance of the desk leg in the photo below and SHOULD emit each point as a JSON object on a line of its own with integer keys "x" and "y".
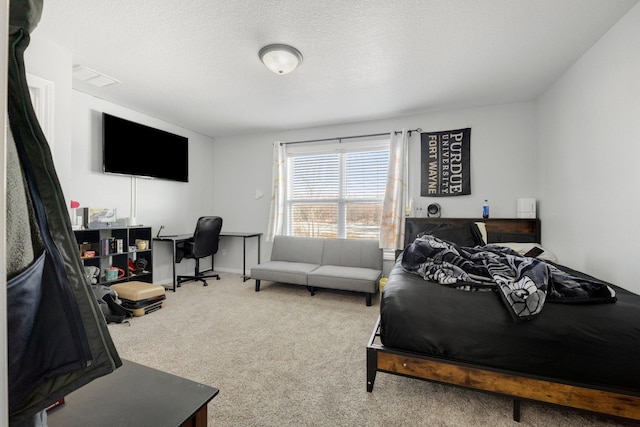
{"x": 173, "y": 263}
{"x": 244, "y": 259}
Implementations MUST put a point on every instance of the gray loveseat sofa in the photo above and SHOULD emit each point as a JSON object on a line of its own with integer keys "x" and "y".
{"x": 351, "y": 265}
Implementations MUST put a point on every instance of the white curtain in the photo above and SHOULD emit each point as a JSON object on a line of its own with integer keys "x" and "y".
{"x": 279, "y": 173}
{"x": 395, "y": 197}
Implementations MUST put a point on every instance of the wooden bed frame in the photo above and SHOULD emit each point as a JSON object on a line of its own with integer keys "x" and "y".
{"x": 617, "y": 403}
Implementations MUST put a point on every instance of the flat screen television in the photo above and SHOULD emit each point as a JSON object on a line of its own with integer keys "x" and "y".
{"x": 130, "y": 148}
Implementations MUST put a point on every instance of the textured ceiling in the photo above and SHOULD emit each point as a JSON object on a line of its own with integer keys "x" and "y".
{"x": 195, "y": 63}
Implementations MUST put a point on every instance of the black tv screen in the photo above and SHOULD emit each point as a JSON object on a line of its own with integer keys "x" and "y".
{"x": 134, "y": 149}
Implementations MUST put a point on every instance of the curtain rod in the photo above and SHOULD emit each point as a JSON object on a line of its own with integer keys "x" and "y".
{"x": 340, "y": 138}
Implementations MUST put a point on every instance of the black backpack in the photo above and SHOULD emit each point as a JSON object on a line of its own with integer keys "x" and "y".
{"x": 109, "y": 304}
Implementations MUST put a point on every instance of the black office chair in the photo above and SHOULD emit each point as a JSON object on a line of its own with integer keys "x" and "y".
{"x": 204, "y": 243}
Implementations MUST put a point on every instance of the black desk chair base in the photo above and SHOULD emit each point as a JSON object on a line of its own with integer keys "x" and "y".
{"x": 198, "y": 276}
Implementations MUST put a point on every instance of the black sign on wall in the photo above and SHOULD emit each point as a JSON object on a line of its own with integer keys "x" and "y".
{"x": 445, "y": 163}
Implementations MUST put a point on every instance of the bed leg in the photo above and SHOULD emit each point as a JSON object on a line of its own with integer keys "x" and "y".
{"x": 311, "y": 290}
{"x": 257, "y": 285}
{"x": 516, "y": 410}
{"x": 372, "y": 368}
{"x": 369, "y": 299}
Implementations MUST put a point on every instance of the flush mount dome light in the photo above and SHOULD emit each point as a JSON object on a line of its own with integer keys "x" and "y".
{"x": 280, "y": 58}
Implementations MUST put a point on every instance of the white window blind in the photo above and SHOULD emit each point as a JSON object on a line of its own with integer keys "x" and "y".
{"x": 336, "y": 191}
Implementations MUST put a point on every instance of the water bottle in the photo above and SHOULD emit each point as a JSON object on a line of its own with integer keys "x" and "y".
{"x": 485, "y": 209}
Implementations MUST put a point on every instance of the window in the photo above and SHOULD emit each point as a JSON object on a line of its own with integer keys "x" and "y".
{"x": 336, "y": 191}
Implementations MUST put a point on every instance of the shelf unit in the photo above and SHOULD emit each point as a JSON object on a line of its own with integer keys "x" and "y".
{"x": 95, "y": 239}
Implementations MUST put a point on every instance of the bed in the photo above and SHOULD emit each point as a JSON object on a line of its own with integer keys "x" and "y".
{"x": 583, "y": 356}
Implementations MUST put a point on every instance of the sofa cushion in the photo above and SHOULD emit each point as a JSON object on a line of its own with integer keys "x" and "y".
{"x": 352, "y": 253}
{"x": 283, "y": 271}
{"x": 346, "y": 278}
{"x": 297, "y": 249}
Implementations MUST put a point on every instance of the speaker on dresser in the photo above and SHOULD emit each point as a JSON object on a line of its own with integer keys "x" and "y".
{"x": 433, "y": 210}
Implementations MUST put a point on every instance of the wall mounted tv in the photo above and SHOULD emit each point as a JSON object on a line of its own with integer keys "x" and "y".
{"x": 134, "y": 149}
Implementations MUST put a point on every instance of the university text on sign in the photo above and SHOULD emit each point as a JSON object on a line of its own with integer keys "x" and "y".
{"x": 445, "y": 163}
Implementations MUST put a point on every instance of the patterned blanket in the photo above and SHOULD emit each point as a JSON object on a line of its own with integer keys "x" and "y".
{"x": 524, "y": 283}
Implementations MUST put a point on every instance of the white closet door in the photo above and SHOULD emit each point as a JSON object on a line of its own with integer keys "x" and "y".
{"x": 41, "y": 91}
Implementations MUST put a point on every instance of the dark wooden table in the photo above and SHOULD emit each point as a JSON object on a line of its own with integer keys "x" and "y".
{"x": 135, "y": 395}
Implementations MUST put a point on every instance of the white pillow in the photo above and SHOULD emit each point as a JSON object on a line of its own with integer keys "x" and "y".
{"x": 483, "y": 231}
{"x": 523, "y": 248}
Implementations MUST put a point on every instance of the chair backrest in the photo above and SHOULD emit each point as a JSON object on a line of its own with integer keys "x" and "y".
{"x": 206, "y": 236}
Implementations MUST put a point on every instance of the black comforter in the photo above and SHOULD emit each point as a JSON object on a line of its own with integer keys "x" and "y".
{"x": 524, "y": 283}
{"x": 594, "y": 344}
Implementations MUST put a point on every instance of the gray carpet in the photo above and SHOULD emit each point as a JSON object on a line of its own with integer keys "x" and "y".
{"x": 281, "y": 357}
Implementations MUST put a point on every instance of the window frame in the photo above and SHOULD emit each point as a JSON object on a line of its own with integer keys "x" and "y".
{"x": 341, "y": 148}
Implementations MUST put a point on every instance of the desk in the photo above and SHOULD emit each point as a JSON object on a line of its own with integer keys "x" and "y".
{"x": 244, "y": 236}
{"x": 174, "y": 240}
{"x": 135, "y": 395}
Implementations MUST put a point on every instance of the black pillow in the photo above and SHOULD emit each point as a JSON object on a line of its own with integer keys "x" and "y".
{"x": 463, "y": 234}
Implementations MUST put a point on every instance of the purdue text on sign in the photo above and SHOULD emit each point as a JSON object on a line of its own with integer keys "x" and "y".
{"x": 445, "y": 163}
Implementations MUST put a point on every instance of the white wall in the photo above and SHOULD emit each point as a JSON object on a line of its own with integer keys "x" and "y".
{"x": 77, "y": 152}
{"x": 503, "y": 167}
{"x": 589, "y": 158}
{"x": 176, "y": 205}
{"x": 50, "y": 62}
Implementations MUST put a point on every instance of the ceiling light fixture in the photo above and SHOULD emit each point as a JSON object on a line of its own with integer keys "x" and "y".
{"x": 280, "y": 58}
